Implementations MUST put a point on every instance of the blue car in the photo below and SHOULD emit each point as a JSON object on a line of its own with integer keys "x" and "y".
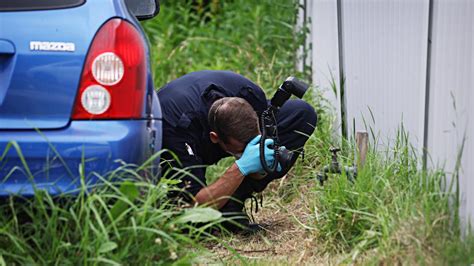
{"x": 76, "y": 92}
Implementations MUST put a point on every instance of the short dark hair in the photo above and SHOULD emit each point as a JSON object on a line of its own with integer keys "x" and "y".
{"x": 233, "y": 117}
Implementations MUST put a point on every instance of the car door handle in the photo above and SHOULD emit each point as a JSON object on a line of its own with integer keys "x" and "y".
{"x": 6, "y": 47}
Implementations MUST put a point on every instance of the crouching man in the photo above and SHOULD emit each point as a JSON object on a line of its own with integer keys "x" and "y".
{"x": 210, "y": 115}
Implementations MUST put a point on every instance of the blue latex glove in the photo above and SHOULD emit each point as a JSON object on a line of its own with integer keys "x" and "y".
{"x": 250, "y": 163}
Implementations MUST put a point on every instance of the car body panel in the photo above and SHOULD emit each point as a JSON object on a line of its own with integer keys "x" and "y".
{"x": 54, "y": 158}
{"x": 38, "y": 90}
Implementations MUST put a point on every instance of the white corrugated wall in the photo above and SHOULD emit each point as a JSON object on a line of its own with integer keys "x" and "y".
{"x": 384, "y": 55}
{"x": 325, "y": 54}
{"x": 451, "y": 95}
{"x": 391, "y": 77}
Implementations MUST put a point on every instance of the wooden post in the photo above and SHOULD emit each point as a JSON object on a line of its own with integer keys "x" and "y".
{"x": 362, "y": 139}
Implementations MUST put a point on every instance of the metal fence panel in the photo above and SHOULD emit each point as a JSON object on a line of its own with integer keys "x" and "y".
{"x": 325, "y": 55}
{"x": 451, "y": 96}
{"x": 385, "y": 55}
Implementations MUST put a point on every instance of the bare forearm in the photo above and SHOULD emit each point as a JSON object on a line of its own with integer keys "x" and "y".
{"x": 219, "y": 192}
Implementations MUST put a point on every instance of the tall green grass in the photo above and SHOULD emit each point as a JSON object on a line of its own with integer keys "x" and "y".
{"x": 124, "y": 219}
{"x": 254, "y": 38}
{"x": 394, "y": 213}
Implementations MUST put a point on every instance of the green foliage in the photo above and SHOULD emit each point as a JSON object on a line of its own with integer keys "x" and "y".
{"x": 393, "y": 213}
{"x": 253, "y": 38}
{"x": 113, "y": 224}
{"x": 199, "y": 215}
{"x": 130, "y": 191}
{"x": 456, "y": 252}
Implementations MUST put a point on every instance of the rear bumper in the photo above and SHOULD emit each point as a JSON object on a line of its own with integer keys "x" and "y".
{"x": 54, "y": 157}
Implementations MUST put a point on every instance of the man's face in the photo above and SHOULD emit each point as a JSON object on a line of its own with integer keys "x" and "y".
{"x": 233, "y": 147}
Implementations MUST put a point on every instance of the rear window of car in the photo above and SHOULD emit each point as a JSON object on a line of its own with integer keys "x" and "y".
{"x": 21, "y": 5}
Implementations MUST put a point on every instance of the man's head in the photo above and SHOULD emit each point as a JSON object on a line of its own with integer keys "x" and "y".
{"x": 233, "y": 124}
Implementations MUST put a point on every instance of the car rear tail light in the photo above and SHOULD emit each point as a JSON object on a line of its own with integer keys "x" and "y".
{"x": 107, "y": 69}
{"x": 95, "y": 99}
{"x": 113, "y": 82}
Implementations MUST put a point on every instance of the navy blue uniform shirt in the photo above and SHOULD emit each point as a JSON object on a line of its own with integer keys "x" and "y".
{"x": 185, "y": 104}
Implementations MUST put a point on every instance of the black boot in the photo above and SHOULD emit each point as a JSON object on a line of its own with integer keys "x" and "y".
{"x": 237, "y": 219}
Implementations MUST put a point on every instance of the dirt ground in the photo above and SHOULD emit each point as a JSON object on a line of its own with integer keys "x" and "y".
{"x": 286, "y": 240}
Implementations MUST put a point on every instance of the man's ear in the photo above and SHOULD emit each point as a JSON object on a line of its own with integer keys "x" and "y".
{"x": 214, "y": 137}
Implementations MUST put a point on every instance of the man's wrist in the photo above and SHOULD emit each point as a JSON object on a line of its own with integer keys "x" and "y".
{"x": 239, "y": 169}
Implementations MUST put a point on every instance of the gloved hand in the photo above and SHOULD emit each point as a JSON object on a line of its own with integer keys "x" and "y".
{"x": 250, "y": 161}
